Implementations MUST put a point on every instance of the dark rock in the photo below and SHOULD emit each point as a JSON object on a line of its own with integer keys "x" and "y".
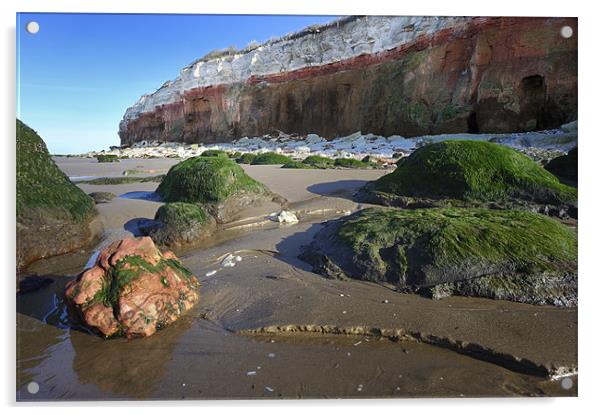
{"x": 102, "y": 197}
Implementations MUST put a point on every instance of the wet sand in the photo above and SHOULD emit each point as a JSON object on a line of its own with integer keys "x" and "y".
{"x": 269, "y": 328}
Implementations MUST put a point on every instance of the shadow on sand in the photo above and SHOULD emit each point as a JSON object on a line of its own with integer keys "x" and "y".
{"x": 344, "y": 189}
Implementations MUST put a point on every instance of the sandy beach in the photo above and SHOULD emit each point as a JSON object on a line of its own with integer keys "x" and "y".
{"x": 269, "y": 327}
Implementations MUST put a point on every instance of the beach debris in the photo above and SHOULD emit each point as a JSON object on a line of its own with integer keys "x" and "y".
{"x": 210, "y": 273}
{"x": 230, "y": 260}
{"x": 285, "y": 216}
{"x": 385, "y": 301}
{"x": 251, "y": 373}
{"x": 271, "y": 354}
{"x": 357, "y": 343}
{"x": 269, "y": 389}
{"x": 133, "y": 289}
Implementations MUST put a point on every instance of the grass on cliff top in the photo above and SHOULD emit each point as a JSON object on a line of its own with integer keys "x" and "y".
{"x": 181, "y": 216}
{"x": 270, "y": 158}
{"x": 206, "y": 179}
{"x": 444, "y": 237}
{"x": 41, "y": 184}
{"x": 473, "y": 170}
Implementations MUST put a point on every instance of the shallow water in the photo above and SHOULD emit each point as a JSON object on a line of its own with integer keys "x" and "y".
{"x": 195, "y": 358}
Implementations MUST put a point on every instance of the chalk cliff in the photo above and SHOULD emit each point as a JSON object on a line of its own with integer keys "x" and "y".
{"x": 385, "y": 75}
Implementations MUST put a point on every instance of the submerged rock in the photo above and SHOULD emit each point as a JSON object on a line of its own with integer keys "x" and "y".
{"x": 217, "y": 183}
{"x": 133, "y": 289}
{"x": 54, "y": 216}
{"x": 511, "y": 255}
{"x": 472, "y": 173}
{"x": 181, "y": 224}
{"x": 565, "y": 166}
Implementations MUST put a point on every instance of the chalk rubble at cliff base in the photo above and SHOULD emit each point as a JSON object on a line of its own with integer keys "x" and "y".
{"x": 541, "y": 145}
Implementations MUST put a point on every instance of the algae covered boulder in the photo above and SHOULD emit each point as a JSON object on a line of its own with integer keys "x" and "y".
{"x": 217, "y": 183}
{"x": 246, "y": 158}
{"x": 181, "y": 224}
{"x": 133, "y": 289}
{"x": 471, "y": 173}
{"x": 564, "y": 167}
{"x": 53, "y": 215}
{"x": 502, "y": 254}
{"x": 270, "y": 158}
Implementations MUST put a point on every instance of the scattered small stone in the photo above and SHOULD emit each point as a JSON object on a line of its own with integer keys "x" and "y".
{"x": 267, "y": 388}
{"x": 251, "y": 373}
{"x": 385, "y": 301}
{"x": 271, "y": 354}
{"x": 210, "y": 273}
{"x": 357, "y": 343}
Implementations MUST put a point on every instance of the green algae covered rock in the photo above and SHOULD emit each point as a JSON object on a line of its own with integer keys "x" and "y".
{"x": 53, "y": 215}
{"x": 270, "y": 158}
{"x": 214, "y": 153}
{"x": 217, "y": 183}
{"x": 107, "y": 158}
{"x": 294, "y": 164}
{"x": 502, "y": 254}
{"x": 319, "y": 162}
{"x": 470, "y": 173}
{"x": 181, "y": 224}
{"x": 351, "y": 163}
{"x": 246, "y": 158}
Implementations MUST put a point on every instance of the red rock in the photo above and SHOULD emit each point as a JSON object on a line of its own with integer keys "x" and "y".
{"x": 133, "y": 289}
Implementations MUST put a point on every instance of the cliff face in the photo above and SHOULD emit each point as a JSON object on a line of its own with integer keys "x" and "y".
{"x": 385, "y": 75}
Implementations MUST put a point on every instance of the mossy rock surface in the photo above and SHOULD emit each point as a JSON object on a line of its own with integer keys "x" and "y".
{"x": 270, "y": 158}
{"x": 350, "y": 163}
{"x": 102, "y": 197}
{"x": 503, "y": 254}
{"x": 565, "y": 167}
{"x": 246, "y": 158}
{"x": 123, "y": 180}
{"x": 297, "y": 165}
{"x": 53, "y": 214}
{"x": 107, "y": 158}
{"x": 319, "y": 162}
{"x": 214, "y": 153}
{"x": 182, "y": 223}
{"x": 217, "y": 183}
{"x": 471, "y": 172}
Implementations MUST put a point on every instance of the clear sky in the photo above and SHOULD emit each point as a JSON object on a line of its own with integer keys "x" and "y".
{"x": 79, "y": 73}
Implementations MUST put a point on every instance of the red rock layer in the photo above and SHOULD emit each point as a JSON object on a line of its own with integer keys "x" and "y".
{"x": 492, "y": 75}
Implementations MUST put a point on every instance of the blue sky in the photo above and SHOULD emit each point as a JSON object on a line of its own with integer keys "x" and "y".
{"x": 79, "y": 73}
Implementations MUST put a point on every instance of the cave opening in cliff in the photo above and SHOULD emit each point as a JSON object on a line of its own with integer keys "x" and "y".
{"x": 473, "y": 125}
{"x": 533, "y": 100}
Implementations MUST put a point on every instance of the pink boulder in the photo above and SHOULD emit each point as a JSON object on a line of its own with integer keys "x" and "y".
{"x": 133, "y": 289}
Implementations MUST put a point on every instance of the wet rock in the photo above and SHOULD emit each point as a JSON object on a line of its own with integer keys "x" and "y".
{"x": 32, "y": 283}
{"x": 470, "y": 173}
{"x": 178, "y": 224}
{"x": 565, "y": 167}
{"x": 511, "y": 255}
{"x": 133, "y": 289}
{"x": 284, "y": 216}
{"x": 217, "y": 184}
{"x": 102, "y": 197}
{"x": 53, "y": 215}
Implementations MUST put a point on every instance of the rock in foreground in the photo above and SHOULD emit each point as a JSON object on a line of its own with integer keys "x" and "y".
{"x": 133, "y": 289}
{"x": 54, "y": 216}
{"x": 511, "y": 255}
{"x": 472, "y": 173}
{"x": 217, "y": 183}
{"x": 565, "y": 166}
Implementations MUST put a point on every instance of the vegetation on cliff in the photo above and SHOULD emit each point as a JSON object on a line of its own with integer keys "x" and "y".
{"x": 41, "y": 185}
{"x": 205, "y": 180}
{"x": 473, "y": 171}
{"x": 270, "y": 158}
{"x": 503, "y": 253}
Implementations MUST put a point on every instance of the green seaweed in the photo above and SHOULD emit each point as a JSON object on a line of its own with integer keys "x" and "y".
{"x": 214, "y": 153}
{"x": 107, "y": 158}
{"x": 473, "y": 170}
{"x": 297, "y": 165}
{"x": 181, "y": 216}
{"x": 206, "y": 179}
{"x": 122, "y": 180}
{"x": 41, "y": 185}
{"x": 320, "y": 162}
{"x": 350, "y": 163}
{"x": 270, "y": 158}
{"x": 246, "y": 158}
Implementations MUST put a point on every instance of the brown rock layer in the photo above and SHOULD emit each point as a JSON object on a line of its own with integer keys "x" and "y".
{"x": 493, "y": 75}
